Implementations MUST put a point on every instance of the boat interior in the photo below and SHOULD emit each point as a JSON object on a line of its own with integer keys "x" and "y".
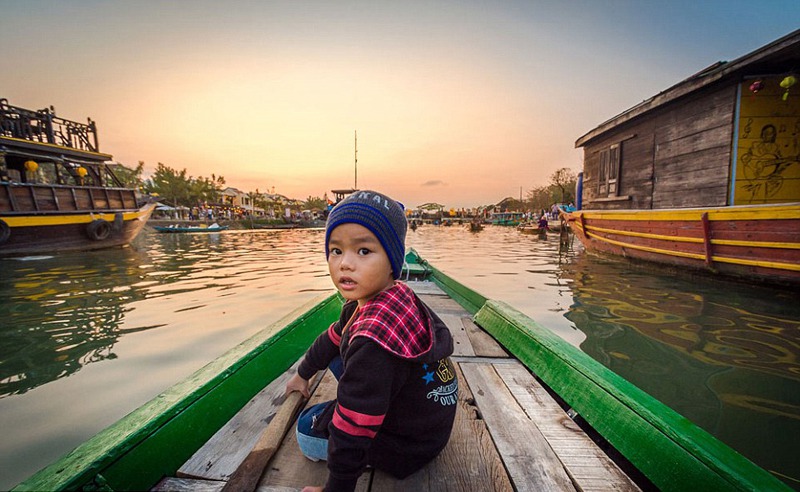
{"x": 510, "y": 432}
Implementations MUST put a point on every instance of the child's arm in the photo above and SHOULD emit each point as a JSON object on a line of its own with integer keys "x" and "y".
{"x": 324, "y": 349}
{"x": 363, "y": 398}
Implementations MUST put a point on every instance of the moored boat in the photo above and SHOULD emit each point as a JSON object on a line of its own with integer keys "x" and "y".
{"x": 202, "y": 228}
{"x": 57, "y": 191}
{"x": 507, "y": 218}
{"x": 508, "y": 430}
{"x": 475, "y": 226}
{"x": 754, "y": 242}
{"x": 532, "y": 229}
{"x": 704, "y": 175}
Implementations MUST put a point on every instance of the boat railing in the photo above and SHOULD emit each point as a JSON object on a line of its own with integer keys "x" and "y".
{"x": 45, "y": 127}
{"x": 24, "y": 198}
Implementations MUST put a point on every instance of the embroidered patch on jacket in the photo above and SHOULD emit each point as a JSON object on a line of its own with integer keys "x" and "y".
{"x": 445, "y": 375}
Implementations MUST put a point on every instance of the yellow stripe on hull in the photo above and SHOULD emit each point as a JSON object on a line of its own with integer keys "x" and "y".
{"x": 698, "y": 240}
{"x": 682, "y": 254}
{"x": 750, "y": 212}
{"x": 82, "y": 218}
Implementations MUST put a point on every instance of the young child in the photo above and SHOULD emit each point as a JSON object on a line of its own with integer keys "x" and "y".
{"x": 397, "y": 392}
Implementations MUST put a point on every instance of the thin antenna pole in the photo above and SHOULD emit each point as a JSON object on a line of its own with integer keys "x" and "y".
{"x": 355, "y": 186}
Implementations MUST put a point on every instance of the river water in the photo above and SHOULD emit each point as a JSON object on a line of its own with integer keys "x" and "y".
{"x": 87, "y": 337}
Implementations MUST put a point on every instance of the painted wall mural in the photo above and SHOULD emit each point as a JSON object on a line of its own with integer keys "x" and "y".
{"x": 768, "y": 149}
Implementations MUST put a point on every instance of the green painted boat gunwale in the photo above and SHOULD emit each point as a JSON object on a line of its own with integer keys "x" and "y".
{"x": 158, "y": 437}
{"x": 670, "y": 450}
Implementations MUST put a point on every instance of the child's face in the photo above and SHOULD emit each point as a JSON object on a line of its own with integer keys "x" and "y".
{"x": 358, "y": 264}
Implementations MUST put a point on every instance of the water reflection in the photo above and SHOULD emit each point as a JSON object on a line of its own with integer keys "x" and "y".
{"x": 723, "y": 354}
{"x": 64, "y": 312}
{"x": 715, "y": 326}
{"x": 61, "y": 315}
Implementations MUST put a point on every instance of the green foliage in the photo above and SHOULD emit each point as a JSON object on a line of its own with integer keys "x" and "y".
{"x": 561, "y": 189}
{"x": 130, "y": 178}
{"x": 315, "y": 202}
{"x": 176, "y": 188}
{"x": 205, "y": 189}
{"x": 564, "y": 179}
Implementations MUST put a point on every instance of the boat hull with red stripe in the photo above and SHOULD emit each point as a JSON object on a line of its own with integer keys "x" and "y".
{"x": 754, "y": 242}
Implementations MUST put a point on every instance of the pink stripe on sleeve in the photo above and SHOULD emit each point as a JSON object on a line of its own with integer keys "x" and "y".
{"x": 351, "y": 429}
{"x": 361, "y": 418}
{"x": 336, "y": 339}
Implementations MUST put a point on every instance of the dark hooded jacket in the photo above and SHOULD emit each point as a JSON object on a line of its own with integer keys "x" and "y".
{"x": 396, "y": 399}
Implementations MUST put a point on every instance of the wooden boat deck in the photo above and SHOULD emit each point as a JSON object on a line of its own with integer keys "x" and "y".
{"x": 509, "y": 434}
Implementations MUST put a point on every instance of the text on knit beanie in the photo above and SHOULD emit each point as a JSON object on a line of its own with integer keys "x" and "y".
{"x": 380, "y": 214}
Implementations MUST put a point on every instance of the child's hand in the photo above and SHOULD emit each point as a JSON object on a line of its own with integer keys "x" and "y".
{"x": 312, "y": 489}
{"x": 298, "y": 384}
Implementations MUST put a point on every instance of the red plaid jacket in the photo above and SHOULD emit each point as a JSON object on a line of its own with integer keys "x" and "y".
{"x": 396, "y": 398}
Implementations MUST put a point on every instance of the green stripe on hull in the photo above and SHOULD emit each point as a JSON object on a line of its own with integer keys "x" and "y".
{"x": 667, "y": 448}
{"x": 156, "y": 439}
{"x": 670, "y": 450}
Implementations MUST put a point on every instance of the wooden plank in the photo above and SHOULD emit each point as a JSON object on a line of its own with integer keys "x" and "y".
{"x": 425, "y": 287}
{"x": 289, "y": 468}
{"x": 468, "y": 462}
{"x": 173, "y": 484}
{"x": 223, "y": 453}
{"x": 585, "y": 462}
{"x": 443, "y": 305}
{"x": 531, "y": 462}
{"x": 245, "y": 478}
{"x": 482, "y": 343}
{"x": 461, "y": 342}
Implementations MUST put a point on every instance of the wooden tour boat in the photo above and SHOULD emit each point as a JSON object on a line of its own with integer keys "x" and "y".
{"x": 57, "y": 191}
{"x": 704, "y": 175}
{"x": 525, "y": 398}
{"x": 201, "y": 228}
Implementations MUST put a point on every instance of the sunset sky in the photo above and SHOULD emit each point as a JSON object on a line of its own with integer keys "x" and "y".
{"x": 457, "y": 102}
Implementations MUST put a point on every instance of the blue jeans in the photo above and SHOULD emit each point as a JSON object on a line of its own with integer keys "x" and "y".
{"x": 313, "y": 444}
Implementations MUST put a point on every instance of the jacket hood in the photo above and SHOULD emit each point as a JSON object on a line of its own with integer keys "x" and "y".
{"x": 398, "y": 320}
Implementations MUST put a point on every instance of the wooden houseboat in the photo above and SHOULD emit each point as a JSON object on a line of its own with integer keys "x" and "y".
{"x": 705, "y": 174}
{"x": 533, "y": 413}
{"x": 57, "y": 191}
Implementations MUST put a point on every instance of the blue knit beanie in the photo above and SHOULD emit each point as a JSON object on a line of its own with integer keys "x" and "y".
{"x": 380, "y": 214}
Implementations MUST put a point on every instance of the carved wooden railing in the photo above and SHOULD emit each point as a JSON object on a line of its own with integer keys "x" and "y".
{"x": 44, "y": 126}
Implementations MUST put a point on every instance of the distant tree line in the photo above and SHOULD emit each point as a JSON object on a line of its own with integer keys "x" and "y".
{"x": 177, "y": 188}
{"x": 559, "y": 189}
